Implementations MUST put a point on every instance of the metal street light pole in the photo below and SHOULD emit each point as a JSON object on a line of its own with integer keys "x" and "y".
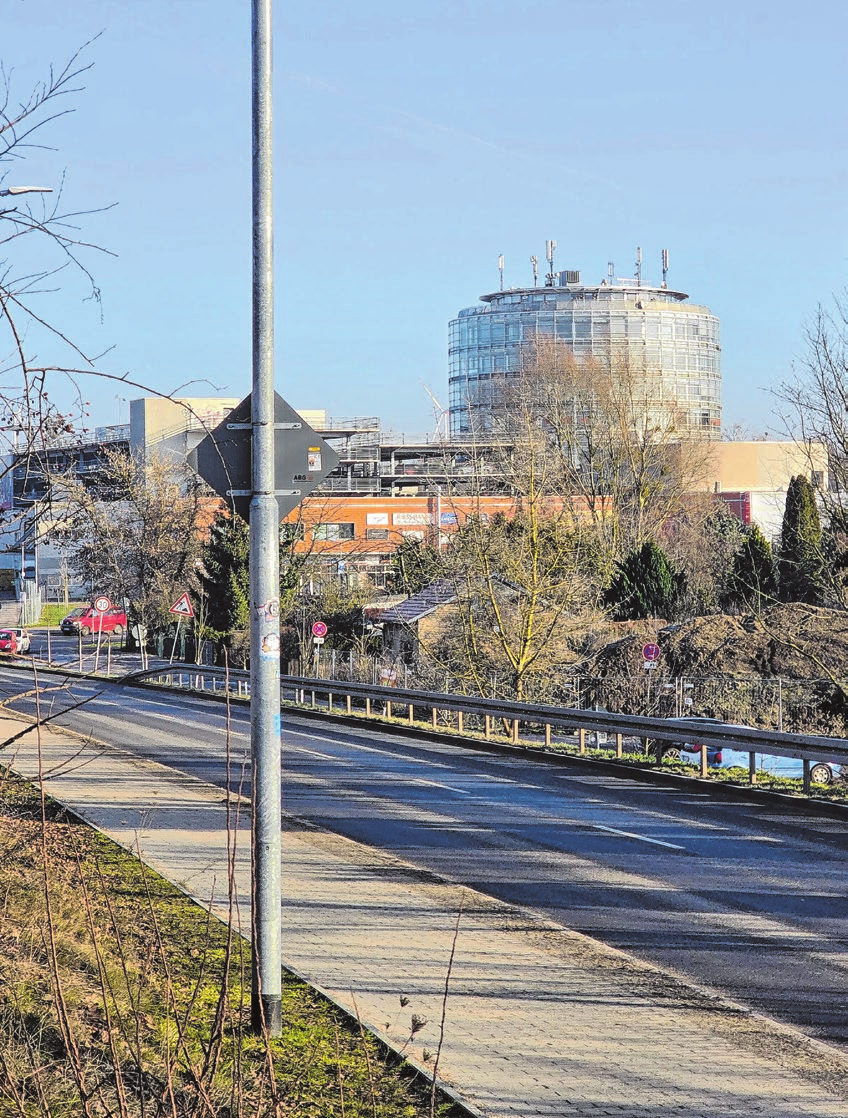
{"x": 266, "y": 1002}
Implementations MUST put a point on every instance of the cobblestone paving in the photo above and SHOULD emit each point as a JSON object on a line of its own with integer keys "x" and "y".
{"x": 538, "y": 1020}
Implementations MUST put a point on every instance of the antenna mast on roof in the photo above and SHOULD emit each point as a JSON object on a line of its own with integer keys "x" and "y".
{"x": 638, "y": 266}
{"x": 550, "y": 249}
{"x": 610, "y": 271}
{"x": 501, "y": 268}
{"x": 665, "y": 267}
{"x": 534, "y": 263}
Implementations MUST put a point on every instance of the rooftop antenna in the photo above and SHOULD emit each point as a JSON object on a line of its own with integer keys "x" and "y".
{"x": 610, "y": 271}
{"x": 534, "y": 263}
{"x": 665, "y": 267}
{"x": 638, "y": 266}
{"x": 550, "y": 249}
{"x": 501, "y": 268}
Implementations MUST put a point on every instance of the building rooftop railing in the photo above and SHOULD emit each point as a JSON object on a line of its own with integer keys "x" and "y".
{"x": 355, "y": 423}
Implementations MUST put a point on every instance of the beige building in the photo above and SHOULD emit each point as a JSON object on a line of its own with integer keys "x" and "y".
{"x": 175, "y": 425}
{"x": 752, "y": 477}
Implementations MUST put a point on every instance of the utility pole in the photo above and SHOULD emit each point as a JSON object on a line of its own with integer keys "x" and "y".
{"x": 266, "y": 1000}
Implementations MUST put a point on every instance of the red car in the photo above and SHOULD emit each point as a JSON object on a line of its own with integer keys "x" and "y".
{"x": 88, "y": 620}
{"x": 8, "y": 641}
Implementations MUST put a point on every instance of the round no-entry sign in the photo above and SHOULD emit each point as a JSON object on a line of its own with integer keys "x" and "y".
{"x": 319, "y": 629}
{"x": 102, "y": 603}
{"x": 651, "y": 652}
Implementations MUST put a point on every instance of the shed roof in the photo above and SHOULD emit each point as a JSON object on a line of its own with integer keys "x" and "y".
{"x": 439, "y": 593}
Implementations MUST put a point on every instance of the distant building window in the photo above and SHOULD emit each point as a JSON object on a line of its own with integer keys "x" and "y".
{"x": 376, "y": 533}
{"x": 333, "y": 532}
{"x": 817, "y": 479}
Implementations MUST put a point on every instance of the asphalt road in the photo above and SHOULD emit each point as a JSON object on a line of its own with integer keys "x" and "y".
{"x": 738, "y": 896}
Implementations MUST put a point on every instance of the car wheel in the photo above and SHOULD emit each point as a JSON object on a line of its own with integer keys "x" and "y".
{"x": 670, "y": 753}
{"x": 85, "y": 631}
{"x": 821, "y": 774}
{"x": 118, "y": 630}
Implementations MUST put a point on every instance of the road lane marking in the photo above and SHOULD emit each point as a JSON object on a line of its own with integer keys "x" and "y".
{"x": 435, "y": 784}
{"x": 289, "y": 733}
{"x": 325, "y": 756}
{"x": 641, "y": 838}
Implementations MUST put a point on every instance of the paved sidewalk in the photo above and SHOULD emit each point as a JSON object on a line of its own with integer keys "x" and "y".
{"x": 539, "y": 1021}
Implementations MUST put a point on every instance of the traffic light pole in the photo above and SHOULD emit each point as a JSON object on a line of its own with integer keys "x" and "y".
{"x": 266, "y": 1001}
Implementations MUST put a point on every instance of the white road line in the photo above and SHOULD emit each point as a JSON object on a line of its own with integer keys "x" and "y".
{"x": 324, "y": 756}
{"x": 435, "y": 784}
{"x": 641, "y": 838}
{"x": 288, "y": 733}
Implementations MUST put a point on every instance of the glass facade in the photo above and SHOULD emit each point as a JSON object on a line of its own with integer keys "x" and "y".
{"x": 674, "y": 343}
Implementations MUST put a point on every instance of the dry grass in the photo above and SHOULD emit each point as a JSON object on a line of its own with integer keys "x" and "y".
{"x": 120, "y": 997}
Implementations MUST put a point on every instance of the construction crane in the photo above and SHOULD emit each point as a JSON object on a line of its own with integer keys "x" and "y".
{"x": 441, "y": 432}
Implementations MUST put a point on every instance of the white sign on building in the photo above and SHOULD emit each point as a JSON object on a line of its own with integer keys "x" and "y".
{"x": 409, "y": 518}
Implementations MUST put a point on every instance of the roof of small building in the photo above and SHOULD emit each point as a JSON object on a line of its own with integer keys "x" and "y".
{"x": 439, "y": 593}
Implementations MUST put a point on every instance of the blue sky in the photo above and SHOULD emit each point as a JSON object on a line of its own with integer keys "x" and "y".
{"x": 413, "y": 145}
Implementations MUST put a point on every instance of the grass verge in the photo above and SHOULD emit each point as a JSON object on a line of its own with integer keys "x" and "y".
{"x": 52, "y": 612}
{"x": 121, "y": 997}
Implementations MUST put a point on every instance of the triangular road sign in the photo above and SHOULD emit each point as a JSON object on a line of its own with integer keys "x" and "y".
{"x": 182, "y": 606}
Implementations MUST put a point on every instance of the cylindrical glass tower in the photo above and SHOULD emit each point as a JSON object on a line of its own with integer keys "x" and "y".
{"x": 674, "y": 342}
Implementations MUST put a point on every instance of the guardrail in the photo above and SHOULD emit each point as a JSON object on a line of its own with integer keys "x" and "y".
{"x": 401, "y": 704}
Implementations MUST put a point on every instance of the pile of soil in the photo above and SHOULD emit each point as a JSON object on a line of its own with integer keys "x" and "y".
{"x": 791, "y": 641}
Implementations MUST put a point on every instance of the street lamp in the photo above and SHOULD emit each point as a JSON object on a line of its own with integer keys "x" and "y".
{"x": 13, "y": 190}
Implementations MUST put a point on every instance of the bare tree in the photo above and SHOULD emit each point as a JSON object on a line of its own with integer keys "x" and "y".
{"x": 813, "y": 403}
{"x": 137, "y": 534}
{"x": 41, "y": 249}
{"x": 605, "y": 434}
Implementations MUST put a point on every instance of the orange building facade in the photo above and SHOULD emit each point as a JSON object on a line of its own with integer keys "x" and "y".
{"x": 362, "y": 533}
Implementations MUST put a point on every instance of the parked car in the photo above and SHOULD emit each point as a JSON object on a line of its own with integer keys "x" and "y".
{"x": 23, "y": 639}
{"x": 8, "y": 641}
{"x": 687, "y": 750}
{"x": 87, "y": 620}
{"x": 821, "y": 772}
{"x": 67, "y": 624}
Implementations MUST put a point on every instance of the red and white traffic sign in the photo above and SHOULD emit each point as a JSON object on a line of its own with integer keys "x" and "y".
{"x": 182, "y": 606}
{"x": 651, "y": 651}
{"x": 101, "y": 603}
{"x": 319, "y": 629}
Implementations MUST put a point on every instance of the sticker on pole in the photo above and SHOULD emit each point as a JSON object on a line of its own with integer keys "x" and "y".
{"x": 651, "y": 651}
{"x": 102, "y": 604}
{"x": 182, "y": 606}
{"x": 319, "y": 629}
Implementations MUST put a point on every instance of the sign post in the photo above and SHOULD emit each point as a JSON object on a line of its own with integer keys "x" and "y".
{"x": 652, "y": 653}
{"x": 319, "y": 632}
{"x": 182, "y": 607}
{"x": 101, "y": 605}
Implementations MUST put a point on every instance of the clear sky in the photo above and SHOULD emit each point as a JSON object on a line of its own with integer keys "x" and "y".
{"x": 414, "y": 143}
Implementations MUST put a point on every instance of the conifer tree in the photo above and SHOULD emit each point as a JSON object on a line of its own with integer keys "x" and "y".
{"x": 646, "y": 584}
{"x": 753, "y": 580}
{"x": 225, "y": 575}
{"x": 800, "y": 562}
